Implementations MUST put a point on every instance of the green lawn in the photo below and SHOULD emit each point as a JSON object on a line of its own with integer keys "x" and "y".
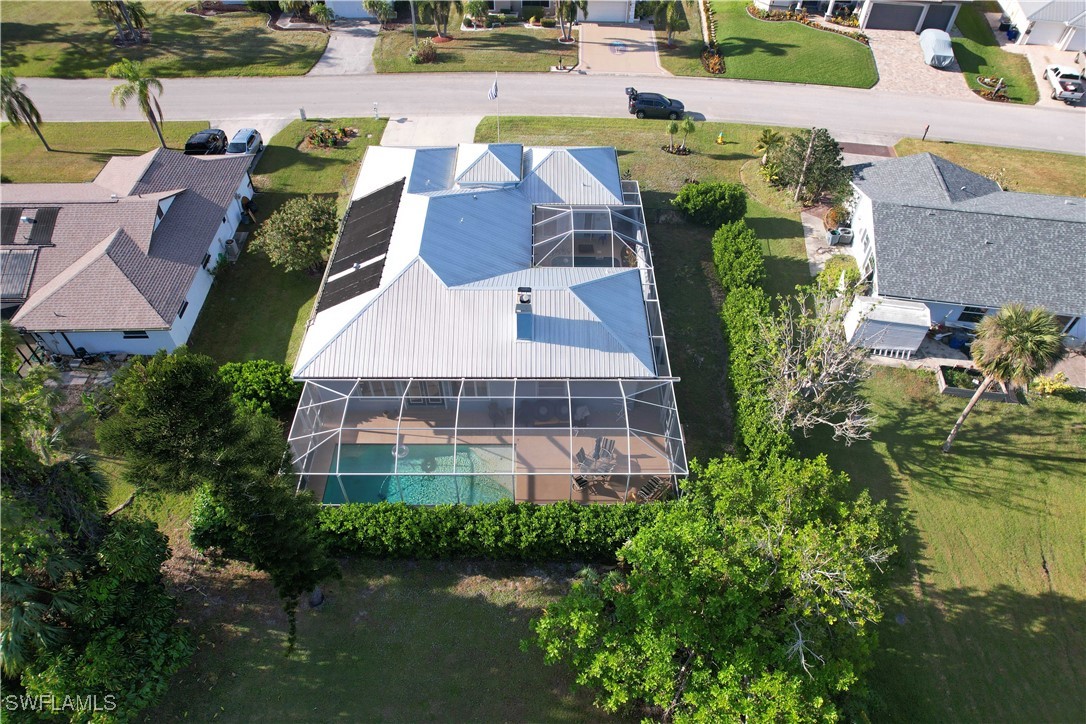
{"x": 80, "y": 150}
{"x": 257, "y": 311}
{"x": 977, "y": 629}
{"x": 689, "y": 291}
{"x": 1033, "y": 172}
{"x": 774, "y": 51}
{"x": 66, "y": 40}
{"x": 978, "y": 53}
{"x": 395, "y": 641}
{"x": 507, "y": 49}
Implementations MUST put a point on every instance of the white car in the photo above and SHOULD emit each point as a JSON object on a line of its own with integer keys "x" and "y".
{"x": 247, "y": 140}
{"x": 1067, "y": 83}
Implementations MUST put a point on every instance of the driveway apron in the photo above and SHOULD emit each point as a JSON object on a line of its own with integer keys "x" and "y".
{"x": 619, "y": 49}
{"x": 902, "y": 68}
{"x": 349, "y": 51}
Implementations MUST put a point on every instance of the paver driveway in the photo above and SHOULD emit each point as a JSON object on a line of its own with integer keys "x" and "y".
{"x": 902, "y": 68}
{"x": 614, "y": 48}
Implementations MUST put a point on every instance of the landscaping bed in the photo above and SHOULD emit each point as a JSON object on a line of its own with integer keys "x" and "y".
{"x": 963, "y": 382}
{"x": 979, "y": 55}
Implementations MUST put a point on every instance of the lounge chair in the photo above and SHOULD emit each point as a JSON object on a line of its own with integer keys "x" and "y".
{"x": 656, "y": 488}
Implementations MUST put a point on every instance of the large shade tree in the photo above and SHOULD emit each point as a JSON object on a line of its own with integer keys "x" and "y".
{"x": 1014, "y": 345}
{"x": 752, "y": 599}
{"x": 141, "y": 87}
{"x": 18, "y": 107}
{"x": 299, "y": 233}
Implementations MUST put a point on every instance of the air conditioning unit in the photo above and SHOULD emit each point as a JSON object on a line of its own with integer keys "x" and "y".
{"x": 232, "y": 250}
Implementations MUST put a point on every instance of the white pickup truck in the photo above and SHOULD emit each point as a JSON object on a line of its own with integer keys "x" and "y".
{"x": 1067, "y": 83}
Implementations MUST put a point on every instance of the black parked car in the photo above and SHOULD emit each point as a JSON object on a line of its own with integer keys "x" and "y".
{"x": 206, "y": 143}
{"x": 654, "y": 105}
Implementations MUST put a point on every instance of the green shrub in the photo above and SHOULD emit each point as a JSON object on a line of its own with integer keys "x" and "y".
{"x": 737, "y": 253}
{"x": 836, "y": 265}
{"x": 712, "y": 203}
{"x": 500, "y": 531}
{"x": 1057, "y": 385}
{"x": 532, "y": 13}
{"x": 424, "y": 52}
{"x": 260, "y": 385}
{"x": 211, "y": 526}
{"x": 548, "y": 22}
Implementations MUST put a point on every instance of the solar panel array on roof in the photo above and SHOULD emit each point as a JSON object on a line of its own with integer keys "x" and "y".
{"x": 9, "y": 224}
{"x": 357, "y": 259}
{"x": 45, "y": 220}
{"x": 16, "y": 267}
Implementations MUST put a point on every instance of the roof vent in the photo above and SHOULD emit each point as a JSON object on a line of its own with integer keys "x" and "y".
{"x": 524, "y": 314}
{"x": 27, "y": 220}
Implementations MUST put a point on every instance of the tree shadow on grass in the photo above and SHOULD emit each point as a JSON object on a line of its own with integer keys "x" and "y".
{"x": 394, "y": 641}
{"x": 734, "y": 47}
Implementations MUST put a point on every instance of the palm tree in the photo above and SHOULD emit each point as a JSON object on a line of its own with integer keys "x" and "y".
{"x": 17, "y": 105}
{"x": 687, "y": 127}
{"x": 380, "y": 9}
{"x": 107, "y": 10}
{"x": 323, "y": 14}
{"x": 770, "y": 140}
{"x": 1014, "y": 345}
{"x": 139, "y": 86}
{"x": 672, "y": 129}
{"x": 672, "y": 16}
{"x": 477, "y": 10}
{"x": 566, "y": 12}
{"x": 439, "y": 11}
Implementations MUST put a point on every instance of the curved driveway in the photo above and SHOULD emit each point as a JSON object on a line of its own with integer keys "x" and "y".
{"x": 851, "y": 114}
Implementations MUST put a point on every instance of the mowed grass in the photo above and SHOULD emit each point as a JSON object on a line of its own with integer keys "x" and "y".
{"x": 66, "y": 40}
{"x": 1034, "y": 172}
{"x": 507, "y": 49}
{"x": 80, "y": 150}
{"x": 257, "y": 311}
{"x": 785, "y": 52}
{"x": 978, "y": 53}
{"x": 395, "y": 641}
{"x": 986, "y": 622}
{"x": 689, "y": 291}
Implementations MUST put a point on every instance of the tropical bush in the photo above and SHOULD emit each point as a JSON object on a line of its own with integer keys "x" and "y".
{"x": 298, "y": 234}
{"x": 712, "y": 203}
{"x": 329, "y": 137}
{"x": 548, "y": 22}
{"x": 262, "y": 386}
{"x": 424, "y": 52}
{"x": 737, "y": 253}
{"x": 1057, "y": 385}
{"x": 836, "y": 265}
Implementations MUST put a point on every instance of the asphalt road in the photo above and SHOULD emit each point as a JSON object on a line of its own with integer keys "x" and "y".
{"x": 851, "y": 114}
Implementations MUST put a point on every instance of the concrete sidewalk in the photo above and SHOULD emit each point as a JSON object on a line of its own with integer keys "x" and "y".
{"x": 430, "y": 131}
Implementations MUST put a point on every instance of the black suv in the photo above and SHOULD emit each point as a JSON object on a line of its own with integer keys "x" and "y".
{"x": 654, "y": 105}
{"x": 206, "y": 143}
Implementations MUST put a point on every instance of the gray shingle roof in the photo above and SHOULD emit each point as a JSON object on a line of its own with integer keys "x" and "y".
{"x": 110, "y": 267}
{"x": 987, "y": 250}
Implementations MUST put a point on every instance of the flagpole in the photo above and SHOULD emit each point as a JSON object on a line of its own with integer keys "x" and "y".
{"x": 497, "y": 107}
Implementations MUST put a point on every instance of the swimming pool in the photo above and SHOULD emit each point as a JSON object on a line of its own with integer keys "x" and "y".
{"x": 428, "y": 475}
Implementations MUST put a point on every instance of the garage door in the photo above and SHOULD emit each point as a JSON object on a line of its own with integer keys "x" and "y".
{"x": 607, "y": 11}
{"x": 891, "y": 16}
{"x": 938, "y": 17}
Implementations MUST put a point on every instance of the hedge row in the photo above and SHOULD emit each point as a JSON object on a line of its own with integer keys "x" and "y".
{"x": 741, "y": 267}
{"x": 499, "y": 531}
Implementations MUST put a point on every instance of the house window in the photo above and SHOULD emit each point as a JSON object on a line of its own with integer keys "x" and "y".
{"x": 159, "y": 213}
{"x": 134, "y": 335}
{"x": 181, "y": 311}
{"x": 1066, "y": 322}
{"x": 206, "y": 261}
{"x": 972, "y": 315}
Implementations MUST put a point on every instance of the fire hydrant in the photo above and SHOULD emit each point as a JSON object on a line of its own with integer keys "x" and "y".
{"x": 720, "y": 138}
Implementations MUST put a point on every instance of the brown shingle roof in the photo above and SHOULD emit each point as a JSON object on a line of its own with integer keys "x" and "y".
{"x": 108, "y": 266}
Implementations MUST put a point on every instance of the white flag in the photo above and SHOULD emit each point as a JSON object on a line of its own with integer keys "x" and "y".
{"x": 493, "y": 93}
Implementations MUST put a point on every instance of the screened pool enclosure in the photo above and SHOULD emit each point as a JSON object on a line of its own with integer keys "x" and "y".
{"x": 426, "y": 442}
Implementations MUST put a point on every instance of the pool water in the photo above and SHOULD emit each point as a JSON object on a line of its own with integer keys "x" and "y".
{"x": 420, "y": 480}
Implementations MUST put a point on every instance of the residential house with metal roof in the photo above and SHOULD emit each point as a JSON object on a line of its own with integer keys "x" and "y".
{"x": 488, "y": 329}
{"x": 947, "y": 246}
{"x": 122, "y": 264}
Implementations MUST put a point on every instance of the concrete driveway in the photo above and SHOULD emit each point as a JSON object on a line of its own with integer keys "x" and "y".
{"x": 902, "y": 68}
{"x": 349, "y": 50}
{"x": 619, "y": 49}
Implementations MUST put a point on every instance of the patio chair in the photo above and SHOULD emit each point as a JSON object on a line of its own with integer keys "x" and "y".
{"x": 607, "y": 449}
{"x": 655, "y": 489}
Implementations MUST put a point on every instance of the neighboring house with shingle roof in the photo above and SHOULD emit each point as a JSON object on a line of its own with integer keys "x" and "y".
{"x": 487, "y": 328}
{"x": 121, "y": 264}
{"x": 932, "y": 233}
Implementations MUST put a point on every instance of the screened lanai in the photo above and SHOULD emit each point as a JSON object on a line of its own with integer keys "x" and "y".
{"x": 427, "y": 442}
